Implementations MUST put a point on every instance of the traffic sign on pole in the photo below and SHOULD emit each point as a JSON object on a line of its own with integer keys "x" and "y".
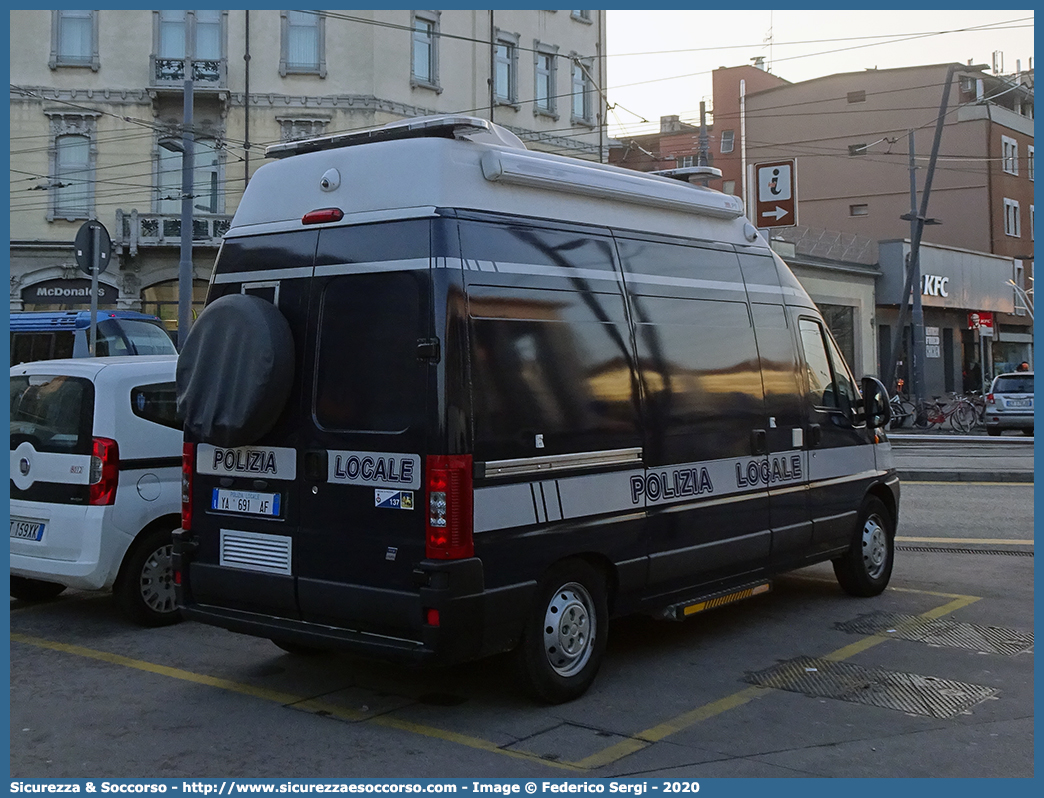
{"x": 776, "y": 198}
{"x": 92, "y": 247}
{"x": 83, "y": 246}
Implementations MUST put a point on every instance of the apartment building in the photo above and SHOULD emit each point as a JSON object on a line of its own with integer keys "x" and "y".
{"x": 98, "y": 103}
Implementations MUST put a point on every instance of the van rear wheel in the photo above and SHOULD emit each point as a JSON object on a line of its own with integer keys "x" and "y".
{"x": 864, "y": 570}
{"x": 564, "y": 639}
{"x": 25, "y": 589}
{"x": 145, "y": 587}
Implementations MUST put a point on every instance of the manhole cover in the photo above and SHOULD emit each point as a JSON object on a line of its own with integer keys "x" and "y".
{"x": 906, "y": 692}
{"x": 990, "y": 639}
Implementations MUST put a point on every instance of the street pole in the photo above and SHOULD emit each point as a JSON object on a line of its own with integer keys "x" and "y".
{"x": 185, "y": 264}
{"x": 95, "y": 268}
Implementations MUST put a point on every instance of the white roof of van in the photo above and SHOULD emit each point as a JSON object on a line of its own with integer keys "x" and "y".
{"x": 411, "y": 168}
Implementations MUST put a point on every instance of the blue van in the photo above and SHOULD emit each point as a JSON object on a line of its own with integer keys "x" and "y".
{"x": 47, "y": 335}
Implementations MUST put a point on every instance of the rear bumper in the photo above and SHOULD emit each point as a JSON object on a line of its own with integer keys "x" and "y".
{"x": 1009, "y": 420}
{"x": 472, "y": 622}
{"x": 79, "y": 548}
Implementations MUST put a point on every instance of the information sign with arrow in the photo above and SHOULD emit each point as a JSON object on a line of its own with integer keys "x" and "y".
{"x": 776, "y": 198}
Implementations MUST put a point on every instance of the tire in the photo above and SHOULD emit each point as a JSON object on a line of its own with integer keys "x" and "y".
{"x": 993, "y": 432}
{"x": 902, "y": 414}
{"x": 963, "y": 418}
{"x": 563, "y": 642}
{"x": 235, "y": 371}
{"x": 25, "y": 589}
{"x": 144, "y": 589}
{"x": 1028, "y": 432}
{"x": 864, "y": 570}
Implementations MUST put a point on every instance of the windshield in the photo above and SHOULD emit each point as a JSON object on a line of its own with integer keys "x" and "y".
{"x": 133, "y": 337}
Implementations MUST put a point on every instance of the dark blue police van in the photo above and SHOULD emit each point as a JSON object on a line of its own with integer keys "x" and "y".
{"x": 450, "y": 397}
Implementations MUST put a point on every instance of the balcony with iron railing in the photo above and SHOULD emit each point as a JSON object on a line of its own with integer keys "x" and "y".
{"x": 206, "y": 73}
{"x": 134, "y": 230}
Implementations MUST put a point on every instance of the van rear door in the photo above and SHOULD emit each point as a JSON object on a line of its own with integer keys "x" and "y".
{"x": 363, "y": 430}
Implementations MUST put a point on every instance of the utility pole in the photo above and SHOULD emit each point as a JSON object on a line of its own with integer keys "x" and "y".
{"x": 187, "y": 169}
{"x": 918, "y": 219}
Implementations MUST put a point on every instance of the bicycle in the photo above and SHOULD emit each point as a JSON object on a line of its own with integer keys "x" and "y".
{"x": 903, "y": 411}
{"x": 960, "y": 412}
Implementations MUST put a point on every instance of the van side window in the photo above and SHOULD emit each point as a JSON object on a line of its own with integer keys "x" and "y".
{"x": 829, "y": 383}
{"x": 157, "y": 403}
{"x": 28, "y": 347}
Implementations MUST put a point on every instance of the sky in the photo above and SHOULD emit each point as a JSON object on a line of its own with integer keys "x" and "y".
{"x": 660, "y": 62}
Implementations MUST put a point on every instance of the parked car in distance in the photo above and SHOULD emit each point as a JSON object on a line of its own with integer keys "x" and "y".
{"x": 1009, "y": 404}
{"x": 47, "y": 335}
{"x": 96, "y": 481}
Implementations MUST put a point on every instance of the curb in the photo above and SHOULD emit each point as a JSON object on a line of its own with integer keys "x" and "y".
{"x": 926, "y": 475}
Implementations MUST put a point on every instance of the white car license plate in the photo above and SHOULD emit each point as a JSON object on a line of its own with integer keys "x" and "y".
{"x": 1020, "y": 403}
{"x": 26, "y": 530}
{"x": 245, "y": 501}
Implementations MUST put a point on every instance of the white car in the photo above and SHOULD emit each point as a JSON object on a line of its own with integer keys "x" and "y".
{"x": 96, "y": 481}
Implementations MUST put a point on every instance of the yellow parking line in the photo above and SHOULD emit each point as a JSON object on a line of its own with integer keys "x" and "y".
{"x": 286, "y": 699}
{"x": 607, "y": 756}
{"x": 982, "y": 541}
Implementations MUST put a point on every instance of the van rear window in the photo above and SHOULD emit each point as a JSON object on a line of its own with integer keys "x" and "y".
{"x": 132, "y": 337}
{"x": 55, "y": 414}
{"x": 28, "y": 347}
{"x": 368, "y": 377}
{"x": 1014, "y": 383}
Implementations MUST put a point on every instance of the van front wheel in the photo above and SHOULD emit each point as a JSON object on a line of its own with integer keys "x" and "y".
{"x": 564, "y": 638}
{"x": 864, "y": 570}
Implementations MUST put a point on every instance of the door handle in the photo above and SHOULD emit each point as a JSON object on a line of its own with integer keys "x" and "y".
{"x": 315, "y": 467}
{"x": 815, "y": 435}
{"x": 758, "y": 442}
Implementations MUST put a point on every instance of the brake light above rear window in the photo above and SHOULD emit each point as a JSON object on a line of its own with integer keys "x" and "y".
{"x": 188, "y": 466}
{"x": 323, "y": 215}
{"x": 450, "y": 501}
{"x": 105, "y": 471}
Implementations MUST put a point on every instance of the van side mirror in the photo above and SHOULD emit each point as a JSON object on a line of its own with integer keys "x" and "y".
{"x": 876, "y": 407}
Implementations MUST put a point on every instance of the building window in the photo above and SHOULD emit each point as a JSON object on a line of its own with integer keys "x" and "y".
{"x": 728, "y": 186}
{"x": 190, "y": 37}
{"x": 72, "y": 163}
{"x": 1009, "y": 155}
{"x": 296, "y": 129}
{"x": 303, "y": 43}
{"x": 581, "y": 16}
{"x": 208, "y": 196}
{"x": 857, "y": 96}
{"x": 74, "y": 39}
{"x": 728, "y": 141}
{"x": 861, "y": 209}
{"x": 582, "y": 111}
{"x": 1011, "y": 218}
{"x": 505, "y": 68}
{"x": 1029, "y": 161}
{"x": 686, "y": 161}
{"x": 424, "y": 71}
{"x": 857, "y": 149}
{"x": 546, "y": 61}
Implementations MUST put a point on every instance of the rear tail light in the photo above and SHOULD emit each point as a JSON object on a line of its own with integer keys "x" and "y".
{"x": 105, "y": 471}
{"x": 322, "y": 216}
{"x": 989, "y": 399}
{"x": 450, "y": 502}
{"x": 188, "y": 467}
